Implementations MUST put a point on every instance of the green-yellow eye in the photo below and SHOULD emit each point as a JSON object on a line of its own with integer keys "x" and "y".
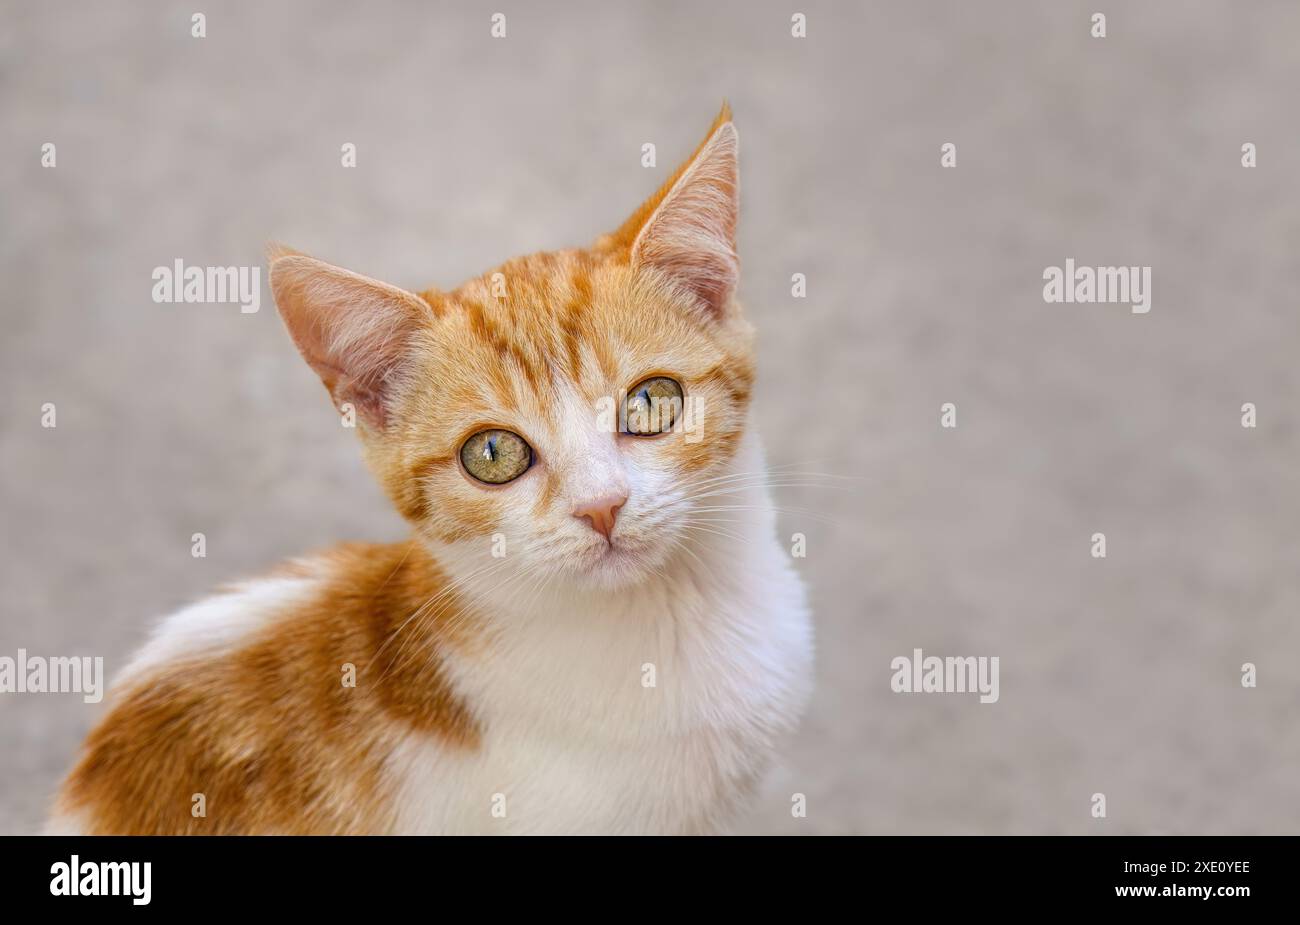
{"x": 496, "y": 456}
{"x": 653, "y": 407}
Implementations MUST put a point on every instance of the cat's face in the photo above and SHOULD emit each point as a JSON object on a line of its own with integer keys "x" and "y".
{"x": 566, "y": 408}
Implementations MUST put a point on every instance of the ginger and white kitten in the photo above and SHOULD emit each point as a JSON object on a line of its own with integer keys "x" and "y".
{"x": 593, "y": 627}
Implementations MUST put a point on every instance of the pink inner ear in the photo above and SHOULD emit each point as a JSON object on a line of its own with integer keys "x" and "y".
{"x": 366, "y": 396}
{"x": 691, "y": 237}
{"x": 353, "y": 331}
{"x": 711, "y": 278}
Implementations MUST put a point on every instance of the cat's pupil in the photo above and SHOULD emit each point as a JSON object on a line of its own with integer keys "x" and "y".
{"x": 489, "y": 450}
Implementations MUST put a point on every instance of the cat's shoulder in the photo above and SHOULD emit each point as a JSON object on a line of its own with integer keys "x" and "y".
{"x": 247, "y": 690}
{"x": 237, "y": 612}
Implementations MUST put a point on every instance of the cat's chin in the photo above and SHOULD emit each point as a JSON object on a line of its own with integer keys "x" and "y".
{"x": 616, "y": 566}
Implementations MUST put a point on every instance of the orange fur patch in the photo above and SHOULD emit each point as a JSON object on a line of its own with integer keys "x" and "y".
{"x": 267, "y": 731}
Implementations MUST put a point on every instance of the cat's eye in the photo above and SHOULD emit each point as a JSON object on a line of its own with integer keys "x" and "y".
{"x": 496, "y": 456}
{"x": 653, "y": 407}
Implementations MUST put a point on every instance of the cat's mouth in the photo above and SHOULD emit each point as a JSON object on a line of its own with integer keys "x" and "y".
{"x": 616, "y": 562}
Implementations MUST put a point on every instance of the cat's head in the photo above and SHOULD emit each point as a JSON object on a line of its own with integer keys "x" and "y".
{"x": 566, "y": 406}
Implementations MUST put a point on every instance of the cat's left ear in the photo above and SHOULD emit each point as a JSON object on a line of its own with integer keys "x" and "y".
{"x": 687, "y": 230}
{"x": 355, "y": 332}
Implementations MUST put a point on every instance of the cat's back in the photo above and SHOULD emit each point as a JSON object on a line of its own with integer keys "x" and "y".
{"x": 273, "y": 706}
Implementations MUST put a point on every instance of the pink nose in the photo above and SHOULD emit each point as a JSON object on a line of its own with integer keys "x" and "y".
{"x": 601, "y": 512}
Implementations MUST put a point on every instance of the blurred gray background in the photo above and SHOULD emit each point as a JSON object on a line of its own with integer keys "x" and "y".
{"x": 1119, "y": 675}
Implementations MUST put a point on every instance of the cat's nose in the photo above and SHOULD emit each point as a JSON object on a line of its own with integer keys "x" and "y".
{"x": 601, "y": 512}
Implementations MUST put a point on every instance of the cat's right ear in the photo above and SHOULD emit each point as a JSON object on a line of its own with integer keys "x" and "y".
{"x": 687, "y": 230}
{"x": 355, "y": 332}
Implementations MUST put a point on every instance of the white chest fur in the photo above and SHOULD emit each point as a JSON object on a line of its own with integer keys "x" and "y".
{"x": 651, "y": 712}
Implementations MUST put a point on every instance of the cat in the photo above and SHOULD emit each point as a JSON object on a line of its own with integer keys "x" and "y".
{"x": 593, "y": 627}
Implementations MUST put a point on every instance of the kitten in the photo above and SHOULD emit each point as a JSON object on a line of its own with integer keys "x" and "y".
{"x": 593, "y": 627}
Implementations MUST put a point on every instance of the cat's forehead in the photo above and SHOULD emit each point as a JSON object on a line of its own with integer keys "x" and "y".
{"x": 574, "y": 319}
